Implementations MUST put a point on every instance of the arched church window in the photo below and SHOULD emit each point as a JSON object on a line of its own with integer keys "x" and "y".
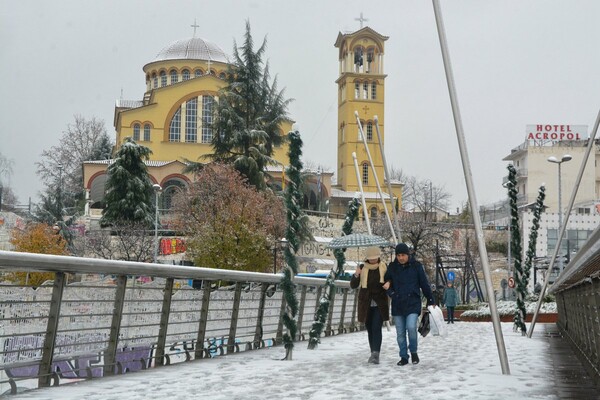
{"x": 358, "y": 59}
{"x": 185, "y": 74}
{"x": 370, "y": 58}
{"x": 147, "y": 132}
{"x": 207, "y": 118}
{"x": 365, "y": 94}
{"x": 163, "y": 79}
{"x": 373, "y": 91}
{"x": 175, "y": 127}
{"x": 197, "y": 73}
{"x": 374, "y": 213}
{"x": 174, "y": 77}
{"x": 357, "y": 90}
{"x": 365, "y": 174}
{"x": 369, "y": 131}
{"x": 171, "y": 188}
{"x": 191, "y": 125}
{"x": 136, "y": 132}
{"x": 154, "y": 81}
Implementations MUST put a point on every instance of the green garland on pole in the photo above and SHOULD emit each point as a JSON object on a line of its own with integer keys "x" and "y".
{"x": 522, "y": 272}
{"x": 296, "y": 232}
{"x": 530, "y": 255}
{"x": 323, "y": 310}
{"x": 516, "y": 249}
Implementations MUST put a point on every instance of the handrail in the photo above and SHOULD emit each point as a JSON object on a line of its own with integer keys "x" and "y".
{"x": 112, "y": 324}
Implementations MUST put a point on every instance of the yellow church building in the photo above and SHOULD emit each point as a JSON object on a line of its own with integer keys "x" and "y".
{"x": 173, "y": 119}
{"x": 361, "y": 91}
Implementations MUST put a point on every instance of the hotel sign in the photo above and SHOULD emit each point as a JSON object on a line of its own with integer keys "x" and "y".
{"x": 547, "y": 134}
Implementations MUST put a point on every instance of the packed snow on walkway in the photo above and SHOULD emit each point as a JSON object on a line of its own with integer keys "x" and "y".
{"x": 462, "y": 365}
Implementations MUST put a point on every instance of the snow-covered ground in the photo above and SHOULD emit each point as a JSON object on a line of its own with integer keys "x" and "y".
{"x": 463, "y": 365}
{"x": 509, "y": 308}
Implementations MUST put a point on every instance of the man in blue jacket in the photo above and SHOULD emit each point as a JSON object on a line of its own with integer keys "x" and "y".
{"x": 405, "y": 279}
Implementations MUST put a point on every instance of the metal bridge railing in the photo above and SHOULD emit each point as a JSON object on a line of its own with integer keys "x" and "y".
{"x": 109, "y": 322}
{"x": 577, "y": 291}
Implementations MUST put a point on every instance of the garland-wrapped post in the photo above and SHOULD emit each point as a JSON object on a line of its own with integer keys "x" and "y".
{"x": 296, "y": 232}
{"x": 516, "y": 249}
{"x": 323, "y": 310}
{"x": 529, "y": 256}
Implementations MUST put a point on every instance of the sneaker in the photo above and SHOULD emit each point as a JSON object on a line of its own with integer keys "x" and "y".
{"x": 403, "y": 361}
{"x": 414, "y": 357}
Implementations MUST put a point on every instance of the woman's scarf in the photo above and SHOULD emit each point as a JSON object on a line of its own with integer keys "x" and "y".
{"x": 364, "y": 276}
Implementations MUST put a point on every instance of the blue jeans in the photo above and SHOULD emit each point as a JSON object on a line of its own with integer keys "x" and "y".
{"x": 405, "y": 324}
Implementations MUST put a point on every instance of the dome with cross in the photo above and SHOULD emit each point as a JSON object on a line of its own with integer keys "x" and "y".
{"x": 192, "y": 49}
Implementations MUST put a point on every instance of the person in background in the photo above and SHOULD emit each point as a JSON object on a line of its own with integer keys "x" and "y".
{"x": 404, "y": 281}
{"x": 450, "y": 300}
{"x": 373, "y": 306}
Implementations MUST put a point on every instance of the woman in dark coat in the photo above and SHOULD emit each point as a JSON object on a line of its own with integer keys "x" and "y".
{"x": 373, "y": 308}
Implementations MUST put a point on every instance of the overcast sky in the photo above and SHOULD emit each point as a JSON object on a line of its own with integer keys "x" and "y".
{"x": 515, "y": 63}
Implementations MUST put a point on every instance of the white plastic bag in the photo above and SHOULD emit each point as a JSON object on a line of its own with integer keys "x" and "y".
{"x": 436, "y": 321}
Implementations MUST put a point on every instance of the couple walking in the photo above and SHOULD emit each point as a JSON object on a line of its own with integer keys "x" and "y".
{"x": 402, "y": 280}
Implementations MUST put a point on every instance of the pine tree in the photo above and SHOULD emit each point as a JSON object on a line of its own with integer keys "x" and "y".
{"x": 297, "y": 232}
{"x": 249, "y": 113}
{"x": 129, "y": 195}
{"x": 323, "y": 310}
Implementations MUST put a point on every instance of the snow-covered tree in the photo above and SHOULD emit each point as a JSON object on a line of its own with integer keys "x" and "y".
{"x": 323, "y": 310}
{"x": 7, "y": 197}
{"x": 226, "y": 223}
{"x": 297, "y": 232}
{"x": 249, "y": 114}
{"x": 60, "y": 166}
{"x": 129, "y": 194}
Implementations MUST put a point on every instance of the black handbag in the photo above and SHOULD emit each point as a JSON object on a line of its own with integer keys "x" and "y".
{"x": 424, "y": 324}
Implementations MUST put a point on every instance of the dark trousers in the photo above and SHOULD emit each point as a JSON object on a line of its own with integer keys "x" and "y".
{"x": 450, "y": 313}
{"x": 373, "y": 324}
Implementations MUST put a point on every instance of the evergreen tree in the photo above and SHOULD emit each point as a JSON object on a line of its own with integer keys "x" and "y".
{"x": 102, "y": 149}
{"x": 248, "y": 115}
{"x": 297, "y": 232}
{"x": 323, "y": 310}
{"x": 129, "y": 194}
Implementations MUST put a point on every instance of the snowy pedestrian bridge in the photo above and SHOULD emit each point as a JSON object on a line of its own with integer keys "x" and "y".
{"x": 217, "y": 333}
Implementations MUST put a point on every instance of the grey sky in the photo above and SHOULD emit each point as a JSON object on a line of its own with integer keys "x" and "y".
{"x": 515, "y": 63}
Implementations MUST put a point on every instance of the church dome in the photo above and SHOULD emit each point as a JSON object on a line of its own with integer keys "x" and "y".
{"x": 192, "y": 49}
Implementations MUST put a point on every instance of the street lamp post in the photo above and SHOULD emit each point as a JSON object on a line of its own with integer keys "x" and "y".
{"x": 157, "y": 189}
{"x": 555, "y": 160}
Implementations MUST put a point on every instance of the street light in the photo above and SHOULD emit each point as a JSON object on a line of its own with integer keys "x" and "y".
{"x": 555, "y": 160}
{"x": 157, "y": 189}
{"x": 59, "y": 191}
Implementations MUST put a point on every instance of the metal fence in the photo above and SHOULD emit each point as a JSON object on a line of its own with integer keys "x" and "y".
{"x": 119, "y": 317}
{"x": 577, "y": 292}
